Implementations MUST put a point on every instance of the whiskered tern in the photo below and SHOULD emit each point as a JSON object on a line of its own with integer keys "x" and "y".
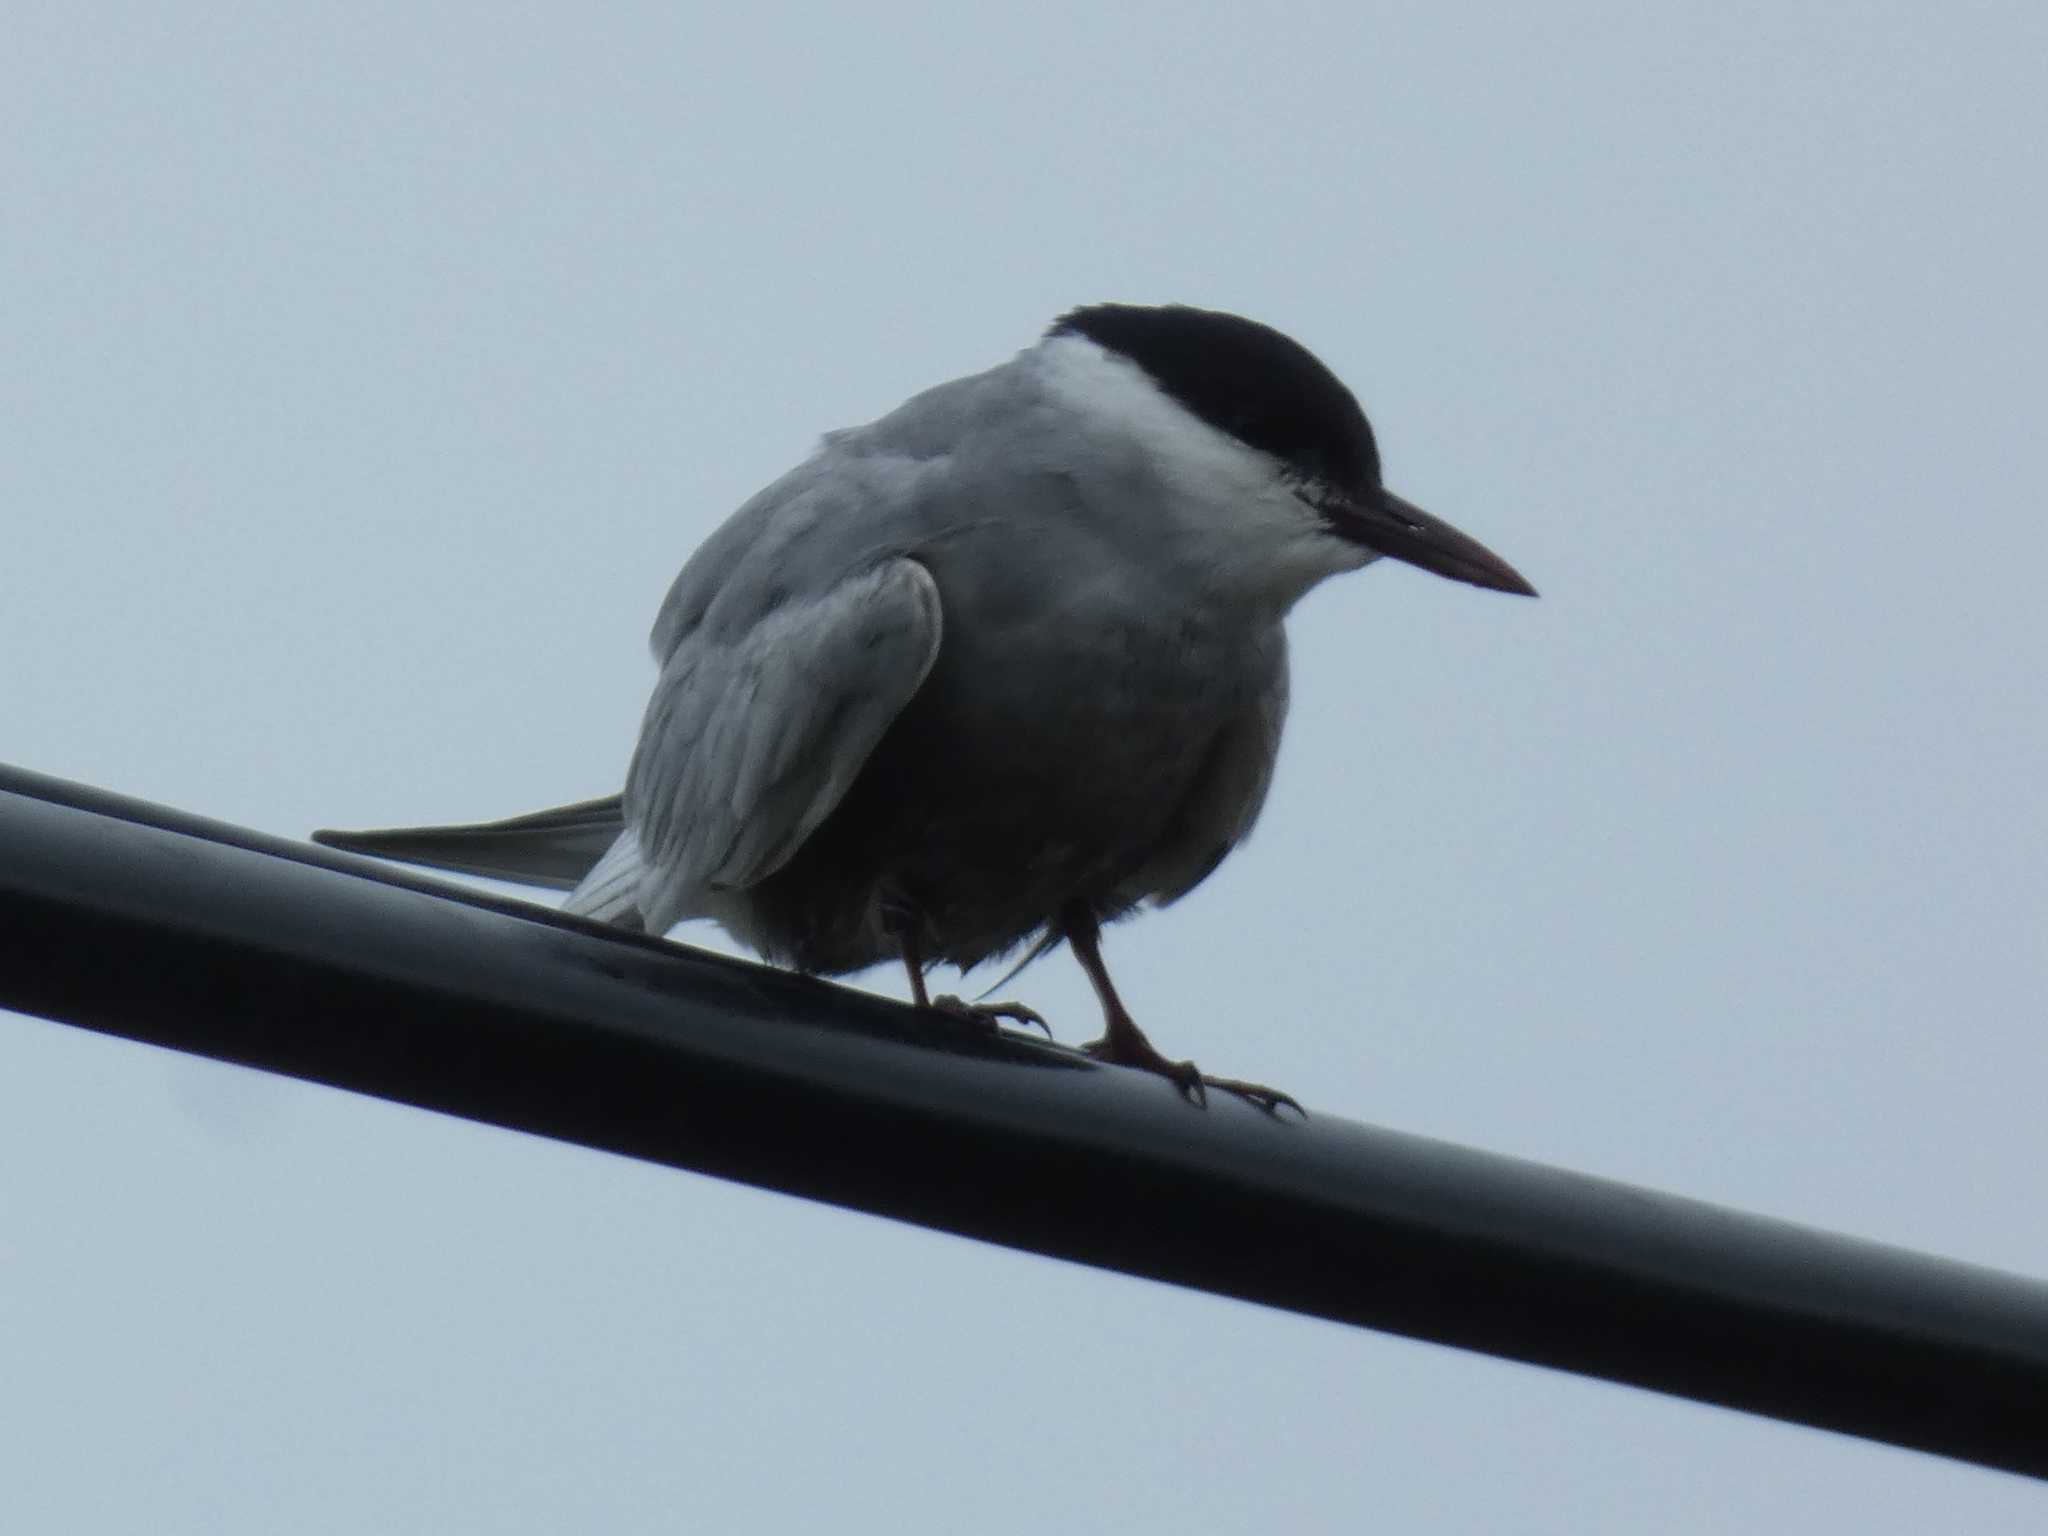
{"x": 994, "y": 670}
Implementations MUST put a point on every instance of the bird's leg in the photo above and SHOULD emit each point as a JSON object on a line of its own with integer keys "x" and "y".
{"x": 1123, "y": 1044}
{"x": 982, "y": 1015}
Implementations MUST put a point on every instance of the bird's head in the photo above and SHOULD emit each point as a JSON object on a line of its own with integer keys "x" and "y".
{"x": 1229, "y": 402}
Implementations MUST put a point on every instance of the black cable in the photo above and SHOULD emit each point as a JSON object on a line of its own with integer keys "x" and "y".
{"x": 146, "y": 923}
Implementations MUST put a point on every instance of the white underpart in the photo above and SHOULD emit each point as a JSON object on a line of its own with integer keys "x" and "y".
{"x": 1238, "y": 503}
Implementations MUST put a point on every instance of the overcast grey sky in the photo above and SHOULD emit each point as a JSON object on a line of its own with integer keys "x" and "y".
{"x": 368, "y": 370}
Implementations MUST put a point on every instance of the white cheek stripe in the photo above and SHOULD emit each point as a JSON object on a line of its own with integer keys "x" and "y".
{"x": 1232, "y": 498}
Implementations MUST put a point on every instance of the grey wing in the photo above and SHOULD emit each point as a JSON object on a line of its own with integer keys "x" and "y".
{"x": 750, "y": 741}
{"x": 552, "y": 848}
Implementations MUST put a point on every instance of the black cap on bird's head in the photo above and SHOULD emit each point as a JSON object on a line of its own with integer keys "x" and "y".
{"x": 1262, "y": 387}
{"x": 1271, "y": 393}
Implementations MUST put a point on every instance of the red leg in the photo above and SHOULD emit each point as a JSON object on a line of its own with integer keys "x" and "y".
{"x": 1123, "y": 1044}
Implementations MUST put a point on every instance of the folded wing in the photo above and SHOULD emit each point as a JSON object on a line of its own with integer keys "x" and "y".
{"x": 751, "y": 740}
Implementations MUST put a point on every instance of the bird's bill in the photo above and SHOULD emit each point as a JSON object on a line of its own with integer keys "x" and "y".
{"x": 1405, "y": 532}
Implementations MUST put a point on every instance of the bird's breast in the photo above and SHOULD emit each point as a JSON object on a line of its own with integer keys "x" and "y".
{"x": 1075, "y": 699}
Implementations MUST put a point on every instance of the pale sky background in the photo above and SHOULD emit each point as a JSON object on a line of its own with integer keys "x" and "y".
{"x": 368, "y": 369}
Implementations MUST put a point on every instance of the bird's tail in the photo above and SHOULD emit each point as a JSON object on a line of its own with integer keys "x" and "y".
{"x": 573, "y": 847}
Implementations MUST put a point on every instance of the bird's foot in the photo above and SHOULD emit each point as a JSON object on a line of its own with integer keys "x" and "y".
{"x": 987, "y": 1015}
{"x": 1266, "y": 1100}
{"x": 1134, "y": 1050}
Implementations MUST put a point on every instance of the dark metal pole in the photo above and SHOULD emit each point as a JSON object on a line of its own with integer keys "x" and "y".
{"x": 143, "y": 922}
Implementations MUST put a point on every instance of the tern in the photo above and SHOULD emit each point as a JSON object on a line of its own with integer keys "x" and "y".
{"x": 992, "y": 671}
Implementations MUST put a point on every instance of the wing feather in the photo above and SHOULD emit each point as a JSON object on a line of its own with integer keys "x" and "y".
{"x": 751, "y": 741}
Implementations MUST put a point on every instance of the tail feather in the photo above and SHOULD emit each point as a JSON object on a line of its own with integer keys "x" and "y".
{"x": 556, "y": 848}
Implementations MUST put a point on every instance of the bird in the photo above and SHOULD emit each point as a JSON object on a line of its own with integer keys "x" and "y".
{"x": 1001, "y": 667}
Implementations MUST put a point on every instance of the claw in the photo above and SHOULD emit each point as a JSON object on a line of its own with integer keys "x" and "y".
{"x": 1268, "y": 1101}
{"x": 1193, "y": 1083}
{"x": 985, "y": 1015}
{"x": 1184, "y": 1075}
